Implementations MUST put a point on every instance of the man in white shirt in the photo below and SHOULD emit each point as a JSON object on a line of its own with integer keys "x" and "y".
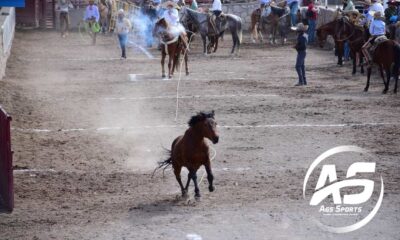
{"x": 171, "y": 15}
{"x": 375, "y": 7}
{"x": 123, "y": 26}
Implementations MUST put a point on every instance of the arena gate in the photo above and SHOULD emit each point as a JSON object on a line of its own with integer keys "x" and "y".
{"x": 6, "y": 167}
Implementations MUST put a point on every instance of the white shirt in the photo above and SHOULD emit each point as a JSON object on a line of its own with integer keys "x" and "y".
{"x": 123, "y": 26}
{"x": 377, "y": 27}
{"x": 172, "y": 16}
{"x": 264, "y": 1}
{"x": 217, "y": 5}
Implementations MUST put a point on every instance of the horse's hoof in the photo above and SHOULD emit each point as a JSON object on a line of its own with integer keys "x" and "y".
{"x": 197, "y": 197}
{"x": 185, "y": 195}
{"x": 384, "y": 91}
{"x": 211, "y": 188}
{"x": 187, "y": 73}
{"x": 163, "y": 76}
{"x": 365, "y": 89}
{"x": 395, "y": 91}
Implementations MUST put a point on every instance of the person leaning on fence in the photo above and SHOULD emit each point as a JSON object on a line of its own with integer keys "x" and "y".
{"x": 377, "y": 28}
{"x": 301, "y": 46}
{"x": 92, "y": 17}
{"x": 123, "y": 26}
{"x": 63, "y": 6}
{"x": 294, "y": 7}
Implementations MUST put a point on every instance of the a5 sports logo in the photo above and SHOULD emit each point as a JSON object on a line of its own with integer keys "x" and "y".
{"x": 351, "y": 204}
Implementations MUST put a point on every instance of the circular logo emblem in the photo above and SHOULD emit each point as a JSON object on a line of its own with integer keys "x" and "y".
{"x": 347, "y": 198}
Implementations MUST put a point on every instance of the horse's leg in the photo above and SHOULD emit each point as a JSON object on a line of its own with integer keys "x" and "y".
{"x": 396, "y": 77}
{"x": 382, "y": 75}
{"x": 354, "y": 56}
{"x": 388, "y": 80}
{"x": 339, "y": 46}
{"x": 204, "y": 38}
{"x": 216, "y": 44}
{"x": 170, "y": 60}
{"x": 177, "y": 172}
{"x": 163, "y": 55}
{"x": 193, "y": 176}
{"x": 361, "y": 63}
{"x": 210, "y": 176}
{"x": 368, "y": 78}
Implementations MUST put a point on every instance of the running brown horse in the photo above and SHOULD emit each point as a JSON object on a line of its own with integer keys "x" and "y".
{"x": 172, "y": 45}
{"x": 386, "y": 55}
{"x": 192, "y": 151}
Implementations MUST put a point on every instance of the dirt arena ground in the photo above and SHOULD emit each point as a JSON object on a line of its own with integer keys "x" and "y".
{"x": 86, "y": 136}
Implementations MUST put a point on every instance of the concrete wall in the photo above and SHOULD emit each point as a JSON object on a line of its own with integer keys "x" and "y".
{"x": 7, "y": 23}
{"x": 242, "y": 10}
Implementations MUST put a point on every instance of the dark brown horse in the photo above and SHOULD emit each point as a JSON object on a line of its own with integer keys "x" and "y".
{"x": 386, "y": 55}
{"x": 192, "y": 151}
{"x": 278, "y": 19}
{"x": 172, "y": 45}
{"x": 356, "y": 36}
{"x": 327, "y": 29}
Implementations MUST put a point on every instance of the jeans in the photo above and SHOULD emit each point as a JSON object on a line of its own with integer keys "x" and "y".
{"x": 64, "y": 22}
{"x": 123, "y": 39}
{"x": 311, "y": 30}
{"x": 294, "y": 7}
{"x": 301, "y": 72}
{"x": 346, "y": 51}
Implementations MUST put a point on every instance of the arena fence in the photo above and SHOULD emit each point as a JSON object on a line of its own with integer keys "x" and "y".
{"x": 8, "y": 30}
{"x": 6, "y": 167}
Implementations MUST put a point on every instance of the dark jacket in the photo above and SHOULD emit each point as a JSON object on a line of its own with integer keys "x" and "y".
{"x": 301, "y": 44}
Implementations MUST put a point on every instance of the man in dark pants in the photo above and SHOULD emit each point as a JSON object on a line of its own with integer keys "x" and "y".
{"x": 301, "y": 46}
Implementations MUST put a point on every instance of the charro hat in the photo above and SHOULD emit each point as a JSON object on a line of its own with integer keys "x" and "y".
{"x": 170, "y": 4}
{"x": 377, "y": 14}
{"x": 300, "y": 27}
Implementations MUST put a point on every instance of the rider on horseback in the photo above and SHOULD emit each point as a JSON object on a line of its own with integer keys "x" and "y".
{"x": 377, "y": 29}
{"x": 171, "y": 15}
{"x": 215, "y": 17}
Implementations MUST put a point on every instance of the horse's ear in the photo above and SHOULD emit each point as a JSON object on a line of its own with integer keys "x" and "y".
{"x": 212, "y": 114}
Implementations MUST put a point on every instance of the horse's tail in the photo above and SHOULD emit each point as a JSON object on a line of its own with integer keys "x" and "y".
{"x": 240, "y": 31}
{"x": 163, "y": 164}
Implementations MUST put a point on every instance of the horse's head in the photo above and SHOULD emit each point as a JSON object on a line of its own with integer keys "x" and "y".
{"x": 205, "y": 124}
{"x": 160, "y": 28}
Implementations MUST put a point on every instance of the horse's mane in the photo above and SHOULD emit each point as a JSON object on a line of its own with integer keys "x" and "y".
{"x": 201, "y": 116}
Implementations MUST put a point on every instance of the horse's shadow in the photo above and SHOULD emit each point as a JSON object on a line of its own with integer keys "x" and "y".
{"x": 159, "y": 208}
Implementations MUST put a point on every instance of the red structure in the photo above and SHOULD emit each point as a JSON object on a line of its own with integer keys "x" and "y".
{"x": 6, "y": 167}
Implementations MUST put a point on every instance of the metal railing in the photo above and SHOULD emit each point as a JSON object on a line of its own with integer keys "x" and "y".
{"x": 7, "y": 31}
{"x": 6, "y": 167}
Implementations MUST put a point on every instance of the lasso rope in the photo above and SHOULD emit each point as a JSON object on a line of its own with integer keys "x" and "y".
{"x": 180, "y": 76}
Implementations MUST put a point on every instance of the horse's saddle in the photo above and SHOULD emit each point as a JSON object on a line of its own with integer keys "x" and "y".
{"x": 378, "y": 40}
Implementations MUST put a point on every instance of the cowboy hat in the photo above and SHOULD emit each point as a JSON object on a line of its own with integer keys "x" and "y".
{"x": 170, "y": 4}
{"x": 377, "y": 14}
{"x": 300, "y": 27}
{"x": 391, "y": 2}
{"x": 367, "y": 2}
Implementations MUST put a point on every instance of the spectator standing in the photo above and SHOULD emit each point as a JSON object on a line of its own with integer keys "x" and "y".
{"x": 63, "y": 7}
{"x": 92, "y": 17}
{"x": 301, "y": 46}
{"x": 312, "y": 13}
{"x": 123, "y": 26}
